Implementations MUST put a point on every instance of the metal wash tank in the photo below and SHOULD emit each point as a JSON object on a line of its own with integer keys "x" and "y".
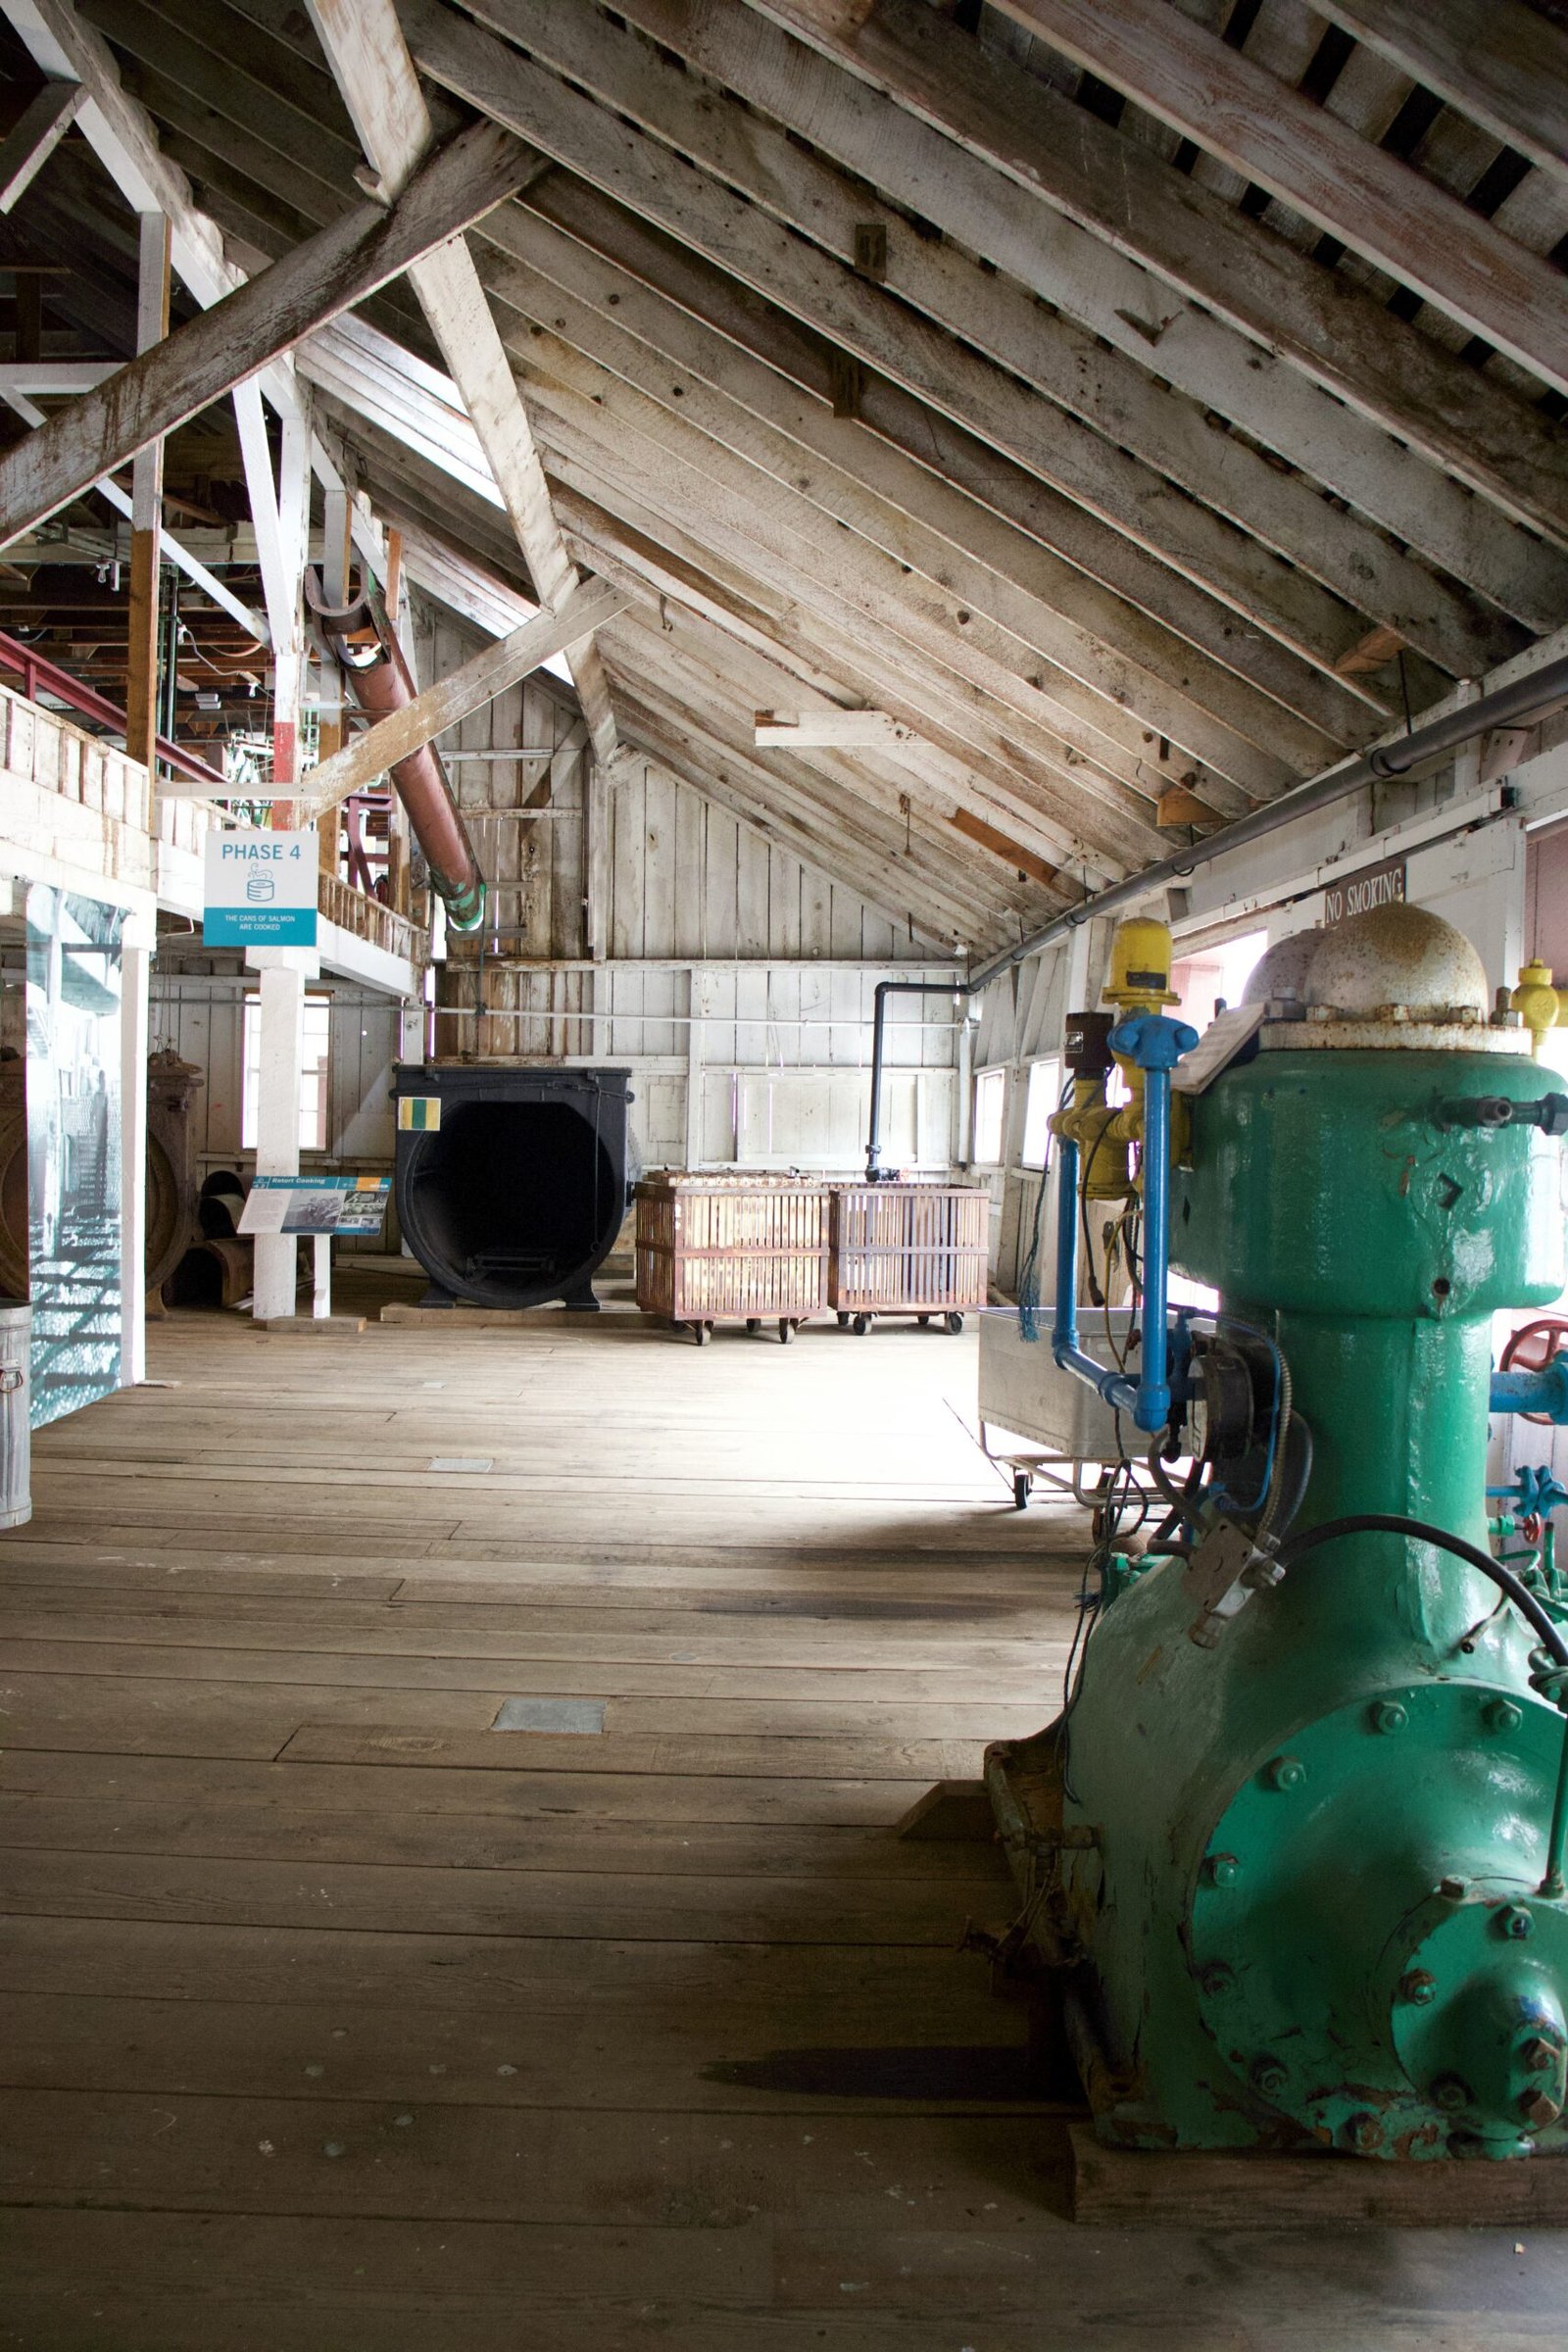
{"x": 512, "y": 1182}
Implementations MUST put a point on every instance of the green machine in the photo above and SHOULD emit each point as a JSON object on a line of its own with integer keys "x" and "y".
{"x": 1293, "y": 1851}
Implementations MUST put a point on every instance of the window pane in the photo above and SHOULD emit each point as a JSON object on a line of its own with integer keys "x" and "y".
{"x": 316, "y": 1034}
{"x": 1044, "y": 1093}
{"x": 989, "y": 1107}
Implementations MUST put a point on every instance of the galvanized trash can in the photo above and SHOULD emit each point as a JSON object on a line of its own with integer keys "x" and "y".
{"x": 15, "y": 1404}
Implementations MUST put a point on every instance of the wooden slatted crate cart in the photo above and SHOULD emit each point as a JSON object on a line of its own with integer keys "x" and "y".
{"x": 732, "y": 1249}
{"x": 919, "y": 1249}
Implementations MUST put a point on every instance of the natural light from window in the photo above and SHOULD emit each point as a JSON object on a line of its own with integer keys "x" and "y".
{"x": 313, "y": 1073}
{"x": 989, "y": 1111}
{"x": 1044, "y": 1093}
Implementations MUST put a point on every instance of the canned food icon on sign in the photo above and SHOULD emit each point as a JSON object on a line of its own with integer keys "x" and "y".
{"x": 260, "y": 888}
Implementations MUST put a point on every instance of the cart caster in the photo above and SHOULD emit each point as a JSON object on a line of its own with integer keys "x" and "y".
{"x": 952, "y": 1323}
{"x": 861, "y": 1325}
{"x": 702, "y": 1333}
{"x": 786, "y": 1330}
{"x": 1020, "y": 1489}
{"x": 753, "y": 1324}
{"x": 844, "y": 1319}
{"x": 923, "y": 1322}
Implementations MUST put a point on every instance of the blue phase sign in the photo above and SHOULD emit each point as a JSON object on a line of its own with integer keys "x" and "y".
{"x": 260, "y": 890}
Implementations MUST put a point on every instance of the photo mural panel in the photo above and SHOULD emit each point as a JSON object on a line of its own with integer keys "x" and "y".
{"x": 74, "y": 1148}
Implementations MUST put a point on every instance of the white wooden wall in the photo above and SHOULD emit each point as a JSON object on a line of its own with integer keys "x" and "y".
{"x": 202, "y": 1018}
{"x": 736, "y": 982}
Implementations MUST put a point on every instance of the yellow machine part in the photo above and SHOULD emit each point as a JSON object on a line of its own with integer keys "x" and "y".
{"x": 1539, "y": 1005}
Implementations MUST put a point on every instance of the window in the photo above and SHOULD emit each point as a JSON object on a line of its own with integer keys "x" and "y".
{"x": 1044, "y": 1093}
{"x": 1204, "y": 980}
{"x": 313, "y": 1073}
{"x": 989, "y": 1112}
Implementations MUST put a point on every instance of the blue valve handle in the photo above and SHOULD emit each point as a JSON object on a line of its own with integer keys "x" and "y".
{"x": 1154, "y": 1044}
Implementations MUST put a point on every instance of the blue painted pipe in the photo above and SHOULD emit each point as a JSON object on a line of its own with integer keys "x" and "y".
{"x": 1116, "y": 1387}
{"x": 1545, "y": 1391}
{"x": 1152, "y": 1410}
{"x": 1156, "y": 1043}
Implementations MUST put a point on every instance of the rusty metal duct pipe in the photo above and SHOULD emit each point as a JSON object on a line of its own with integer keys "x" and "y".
{"x": 359, "y": 637}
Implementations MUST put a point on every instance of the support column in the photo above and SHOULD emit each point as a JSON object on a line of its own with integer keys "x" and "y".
{"x": 284, "y": 974}
{"x": 698, "y": 1000}
{"x": 135, "y": 961}
{"x": 596, "y": 863}
{"x": 330, "y": 710}
{"x": 146, "y": 506}
{"x": 285, "y": 612}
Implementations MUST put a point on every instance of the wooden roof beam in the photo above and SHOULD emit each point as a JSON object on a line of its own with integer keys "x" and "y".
{"x": 449, "y": 700}
{"x": 1143, "y": 216}
{"x": 1382, "y": 208}
{"x": 1114, "y": 672}
{"x": 603, "y": 467}
{"x": 376, "y": 75}
{"x": 1500, "y": 63}
{"x": 971, "y": 200}
{"x": 1157, "y": 620}
{"x": 923, "y": 591}
{"x": 260, "y": 319}
{"x": 1091, "y": 464}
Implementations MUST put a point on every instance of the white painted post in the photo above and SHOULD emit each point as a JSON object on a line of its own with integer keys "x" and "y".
{"x": 322, "y": 1276}
{"x": 136, "y": 943}
{"x": 283, "y": 973}
{"x": 699, "y": 987}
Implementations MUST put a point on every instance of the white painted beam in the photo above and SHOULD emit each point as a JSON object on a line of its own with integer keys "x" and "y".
{"x": 43, "y": 124}
{"x": 442, "y": 705}
{"x": 809, "y": 730}
{"x": 284, "y": 974}
{"x": 63, "y": 377}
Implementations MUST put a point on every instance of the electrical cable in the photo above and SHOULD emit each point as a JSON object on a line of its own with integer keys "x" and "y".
{"x": 1421, "y": 1531}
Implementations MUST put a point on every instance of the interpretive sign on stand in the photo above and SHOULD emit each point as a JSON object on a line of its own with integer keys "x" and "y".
{"x": 317, "y": 1204}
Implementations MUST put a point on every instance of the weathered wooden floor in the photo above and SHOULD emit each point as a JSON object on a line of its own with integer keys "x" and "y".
{"x": 335, "y": 2019}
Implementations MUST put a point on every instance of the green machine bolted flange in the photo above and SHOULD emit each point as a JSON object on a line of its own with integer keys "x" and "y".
{"x": 1354, "y": 1989}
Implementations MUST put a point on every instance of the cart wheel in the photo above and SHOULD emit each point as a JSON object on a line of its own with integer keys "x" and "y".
{"x": 753, "y": 1324}
{"x": 786, "y": 1330}
{"x": 952, "y": 1323}
{"x": 844, "y": 1319}
{"x": 1020, "y": 1489}
{"x": 702, "y": 1333}
{"x": 862, "y": 1324}
{"x": 923, "y": 1321}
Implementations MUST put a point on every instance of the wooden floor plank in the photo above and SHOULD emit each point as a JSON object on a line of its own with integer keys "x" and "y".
{"x": 336, "y": 2019}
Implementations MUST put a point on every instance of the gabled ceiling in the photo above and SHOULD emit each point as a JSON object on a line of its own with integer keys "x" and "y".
{"x": 1124, "y": 395}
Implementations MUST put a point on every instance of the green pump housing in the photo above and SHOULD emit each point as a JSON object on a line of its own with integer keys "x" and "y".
{"x": 1287, "y": 1868}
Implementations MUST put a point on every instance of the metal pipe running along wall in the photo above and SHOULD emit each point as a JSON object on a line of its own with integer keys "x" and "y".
{"x": 1510, "y": 705}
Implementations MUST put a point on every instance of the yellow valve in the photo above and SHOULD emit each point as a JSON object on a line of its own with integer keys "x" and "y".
{"x": 1537, "y": 1004}
{"x": 1139, "y": 966}
{"x": 1089, "y": 1121}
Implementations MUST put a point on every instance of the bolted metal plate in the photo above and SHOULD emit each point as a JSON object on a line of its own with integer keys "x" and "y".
{"x": 475, "y": 1464}
{"x": 581, "y": 1715}
{"x": 1375, "y": 1853}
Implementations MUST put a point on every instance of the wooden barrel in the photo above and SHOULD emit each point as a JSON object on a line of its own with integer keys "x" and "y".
{"x": 15, "y": 1399}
